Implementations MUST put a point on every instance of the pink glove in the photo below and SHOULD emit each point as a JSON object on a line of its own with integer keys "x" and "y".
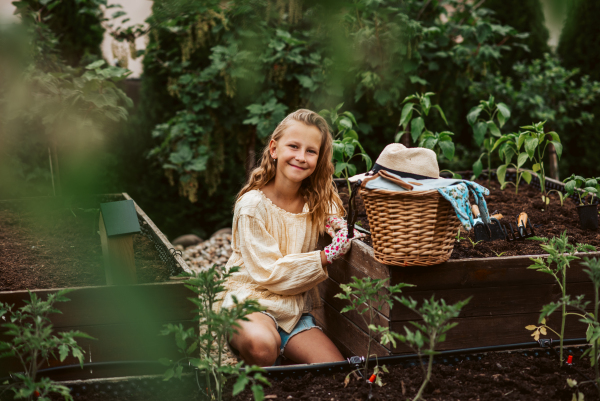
{"x": 334, "y": 223}
{"x": 340, "y": 244}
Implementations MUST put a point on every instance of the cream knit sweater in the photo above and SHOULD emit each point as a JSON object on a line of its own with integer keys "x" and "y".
{"x": 275, "y": 251}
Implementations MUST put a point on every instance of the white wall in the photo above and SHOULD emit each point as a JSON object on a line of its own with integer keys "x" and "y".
{"x": 137, "y": 11}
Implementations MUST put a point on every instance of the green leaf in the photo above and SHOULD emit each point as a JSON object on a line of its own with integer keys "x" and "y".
{"x": 527, "y": 176}
{"x": 257, "y": 392}
{"x": 494, "y": 129}
{"x": 63, "y": 351}
{"x": 416, "y": 128}
{"x": 558, "y": 147}
{"x": 351, "y": 134}
{"x": 501, "y": 174}
{"x": 346, "y": 123}
{"x": 477, "y": 168}
{"x": 168, "y": 374}
{"x": 165, "y": 361}
{"x": 536, "y": 167}
{"x": 437, "y": 106}
{"x": 406, "y": 114}
{"x": 504, "y": 110}
{"x": 447, "y": 148}
{"x": 479, "y": 131}
{"x": 521, "y": 159}
{"x": 473, "y": 114}
{"x": 95, "y": 64}
{"x": 340, "y": 167}
{"x": 240, "y": 384}
{"x": 425, "y": 104}
{"x": 338, "y": 151}
{"x": 530, "y": 146}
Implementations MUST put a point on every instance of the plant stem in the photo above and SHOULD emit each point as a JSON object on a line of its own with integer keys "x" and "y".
{"x": 564, "y": 314}
{"x": 370, "y": 339}
{"x": 429, "y": 368}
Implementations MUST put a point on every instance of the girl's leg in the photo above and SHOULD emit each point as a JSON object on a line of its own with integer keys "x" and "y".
{"x": 257, "y": 340}
{"x": 311, "y": 346}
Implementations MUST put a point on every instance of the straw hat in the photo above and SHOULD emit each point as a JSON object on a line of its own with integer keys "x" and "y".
{"x": 416, "y": 163}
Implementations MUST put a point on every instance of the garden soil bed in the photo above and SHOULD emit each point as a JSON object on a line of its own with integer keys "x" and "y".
{"x": 548, "y": 221}
{"x": 59, "y": 247}
{"x": 492, "y": 376}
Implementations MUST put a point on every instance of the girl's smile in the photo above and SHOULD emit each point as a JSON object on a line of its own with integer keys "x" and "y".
{"x": 297, "y": 151}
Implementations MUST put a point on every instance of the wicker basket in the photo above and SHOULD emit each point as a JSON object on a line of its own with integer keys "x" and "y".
{"x": 413, "y": 228}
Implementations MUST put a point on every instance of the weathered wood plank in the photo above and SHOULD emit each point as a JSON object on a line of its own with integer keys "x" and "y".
{"x": 342, "y": 330}
{"x": 495, "y": 301}
{"x": 92, "y": 306}
{"x": 484, "y": 331}
{"x": 137, "y": 341}
{"x": 329, "y": 288}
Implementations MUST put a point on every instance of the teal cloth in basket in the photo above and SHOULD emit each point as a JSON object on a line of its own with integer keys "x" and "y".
{"x": 454, "y": 191}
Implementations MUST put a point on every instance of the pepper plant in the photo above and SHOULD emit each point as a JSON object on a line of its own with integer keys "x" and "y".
{"x": 440, "y": 142}
{"x": 430, "y": 331}
{"x": 346, "y": 145}
{"x": 509, "y": 146}
{"x": 367, "y": 296}
{"x": 32, "y": 341}
{"x": 482, "y": 126}
{"x": 583, "y": 187}
{"x": 560, "y": 256}
{"x": 205, "y": 351}
{"x": 593, "y": 332}
{"x": 536, "y": 141}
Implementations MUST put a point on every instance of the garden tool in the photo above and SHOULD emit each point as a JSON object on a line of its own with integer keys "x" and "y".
{"x": 487, "y": 232}
{"x": 352, "y": 215}
{"x": 522, "y": 231}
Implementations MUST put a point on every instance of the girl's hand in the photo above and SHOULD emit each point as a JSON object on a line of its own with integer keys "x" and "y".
{"x": 334, "y": 223}
{"x": 340, "y": 244}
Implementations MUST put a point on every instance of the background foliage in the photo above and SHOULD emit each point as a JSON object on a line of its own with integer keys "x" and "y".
{"x": 218, "y": 77}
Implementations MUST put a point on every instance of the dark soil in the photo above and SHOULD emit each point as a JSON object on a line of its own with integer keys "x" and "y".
{"x": 548, "y": 221}
{"x": 496, "y": 376}
{"x": 58, "y": 247}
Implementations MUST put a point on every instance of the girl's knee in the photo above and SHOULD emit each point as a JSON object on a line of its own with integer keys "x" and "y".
{"x": 261, "y": 351}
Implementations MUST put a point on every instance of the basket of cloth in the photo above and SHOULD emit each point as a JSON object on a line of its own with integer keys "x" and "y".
{"x": 413, "y": 213}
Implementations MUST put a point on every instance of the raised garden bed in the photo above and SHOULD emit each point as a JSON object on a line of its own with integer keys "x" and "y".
{"x": 45, "y": 246}
{"x": 529, "y": 374}
{"x": 506, "y": 295}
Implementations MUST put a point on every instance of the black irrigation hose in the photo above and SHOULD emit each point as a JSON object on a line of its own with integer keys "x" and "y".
{"x": 325, "y": 368}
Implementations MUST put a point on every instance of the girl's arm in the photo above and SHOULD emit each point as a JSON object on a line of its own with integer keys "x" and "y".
{"x": 286, "y": 275}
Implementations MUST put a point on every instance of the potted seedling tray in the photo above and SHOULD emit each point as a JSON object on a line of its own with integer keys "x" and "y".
{"x": 41, "y": 240}
{"x": 506, "y": 295}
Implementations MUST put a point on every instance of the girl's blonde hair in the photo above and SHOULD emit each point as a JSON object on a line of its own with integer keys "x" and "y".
{"x": 318, "y": 189}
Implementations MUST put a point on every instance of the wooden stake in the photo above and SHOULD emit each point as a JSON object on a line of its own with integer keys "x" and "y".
{"x": 119, "y": 261}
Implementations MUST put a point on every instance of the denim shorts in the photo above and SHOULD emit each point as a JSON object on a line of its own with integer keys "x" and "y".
{"x": 306, "y": 322}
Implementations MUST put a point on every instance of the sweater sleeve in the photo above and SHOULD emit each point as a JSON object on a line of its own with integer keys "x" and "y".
{"x": 285, "y": 275}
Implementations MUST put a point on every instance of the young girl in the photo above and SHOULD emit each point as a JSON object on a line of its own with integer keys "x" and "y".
{"x": 278, "y": 217}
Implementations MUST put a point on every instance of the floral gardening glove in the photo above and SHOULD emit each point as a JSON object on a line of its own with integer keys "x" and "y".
{"x": 334, "y": 223}
{"x": 340, "y": 244}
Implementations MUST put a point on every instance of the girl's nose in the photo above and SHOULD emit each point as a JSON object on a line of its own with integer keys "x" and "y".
{"x": 301, "y": 157}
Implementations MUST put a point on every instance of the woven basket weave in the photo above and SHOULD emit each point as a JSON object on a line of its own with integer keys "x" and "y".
{"x": 413, "y": 228}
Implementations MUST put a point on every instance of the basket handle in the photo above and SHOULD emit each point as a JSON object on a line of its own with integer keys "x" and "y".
{"x": 395, "y": 180}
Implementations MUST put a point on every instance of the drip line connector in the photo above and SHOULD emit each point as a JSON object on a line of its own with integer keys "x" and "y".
{"x": 372, "y": 378}
{"x": 570, "y": 360}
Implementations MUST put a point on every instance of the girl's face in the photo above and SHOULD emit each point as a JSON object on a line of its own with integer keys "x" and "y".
{"x": 297, "y": 151}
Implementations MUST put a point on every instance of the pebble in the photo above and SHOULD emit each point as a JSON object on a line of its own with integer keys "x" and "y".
{"x": 215, "y": 250}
